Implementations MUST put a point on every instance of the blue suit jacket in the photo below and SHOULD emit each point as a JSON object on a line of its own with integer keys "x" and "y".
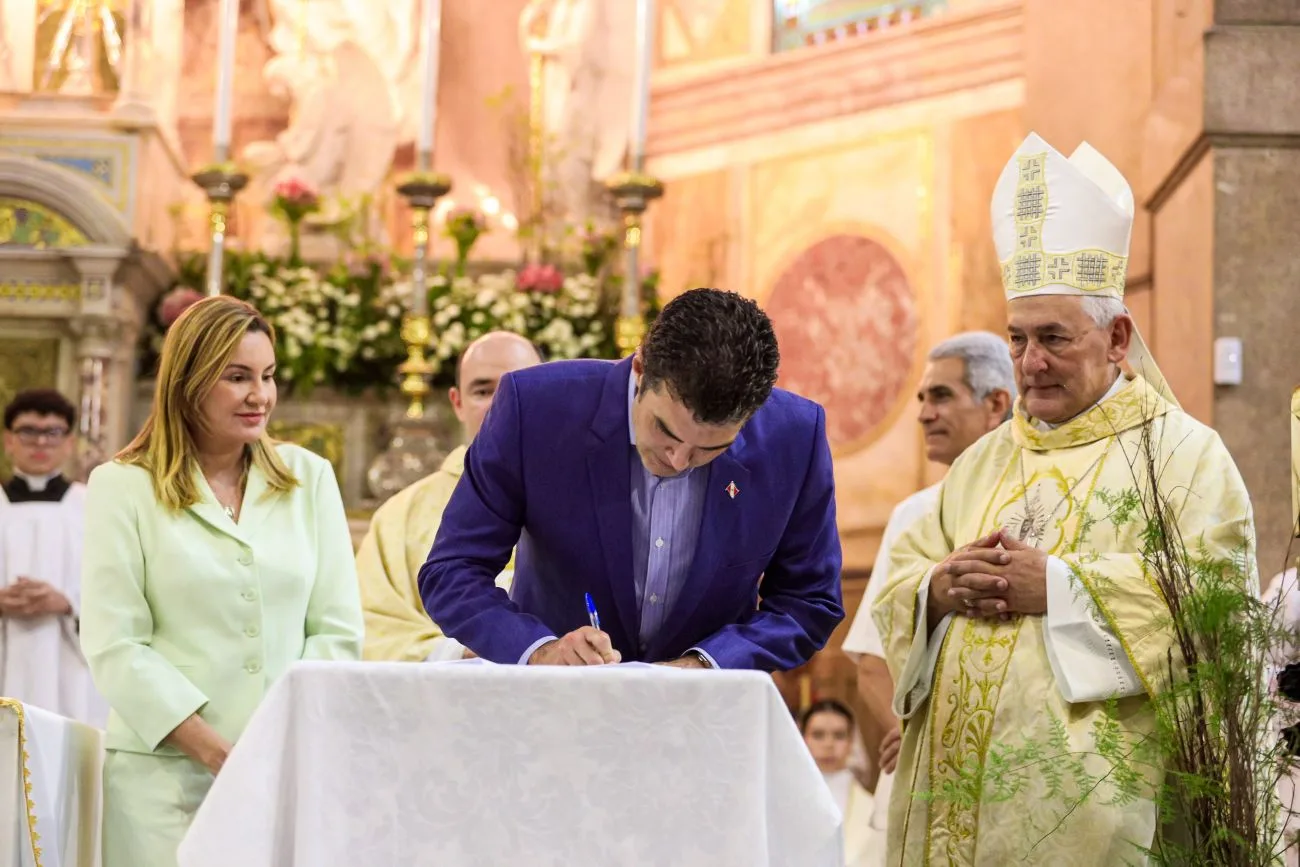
{"x": 550, "y": 471}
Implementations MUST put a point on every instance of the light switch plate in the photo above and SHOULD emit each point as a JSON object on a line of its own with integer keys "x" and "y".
{"x": 1227, "y": 361}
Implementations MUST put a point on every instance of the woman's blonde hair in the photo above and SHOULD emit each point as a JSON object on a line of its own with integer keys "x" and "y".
{"x": 198, "y": 346}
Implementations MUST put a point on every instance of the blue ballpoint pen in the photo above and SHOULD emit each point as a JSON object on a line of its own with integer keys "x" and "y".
{"x": 591, "y": 612}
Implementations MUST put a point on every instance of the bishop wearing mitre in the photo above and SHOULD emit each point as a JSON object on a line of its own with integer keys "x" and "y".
{"x": 41, "y": 520}
{"x": 1019, "y": 606}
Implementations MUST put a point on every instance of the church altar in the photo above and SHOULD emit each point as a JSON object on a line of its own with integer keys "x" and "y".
{"x": 470, "y": 763}
{"x": 50, "y": 773}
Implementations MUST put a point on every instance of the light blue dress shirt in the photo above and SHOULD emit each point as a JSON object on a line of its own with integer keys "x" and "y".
{"x": 666, "y": 515}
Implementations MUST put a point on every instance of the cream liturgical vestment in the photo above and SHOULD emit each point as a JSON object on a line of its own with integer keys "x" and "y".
{"x": 1001, "y": 759}
{"x": 40, "y": 658}
{"x": 974, "y": 686}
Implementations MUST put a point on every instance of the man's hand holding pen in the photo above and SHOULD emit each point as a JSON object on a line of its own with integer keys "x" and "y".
{"x": 585, "y": 646}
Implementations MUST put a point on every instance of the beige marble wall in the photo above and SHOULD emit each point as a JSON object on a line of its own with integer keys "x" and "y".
{"x": 1256, "y": 274}
{"x": 980, "y": 146}
{"x": 769, "y": 159}
{"x": 1252, "y": 121}
{"x": 1195, "y": 100}
{"x": 1180, "y": 326}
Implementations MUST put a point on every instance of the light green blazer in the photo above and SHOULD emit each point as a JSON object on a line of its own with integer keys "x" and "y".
{"x": 188, "y": 611}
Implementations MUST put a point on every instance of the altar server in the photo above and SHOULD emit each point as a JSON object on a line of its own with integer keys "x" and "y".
{"x": 690, "y": 501}
{"x": 215, "y": 558}
{"x": 829, "y": 730}
{"x": 1021, "y": 607}
{"x": 41, "y": 530}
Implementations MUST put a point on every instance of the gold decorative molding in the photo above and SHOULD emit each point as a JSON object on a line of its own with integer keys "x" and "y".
{"x": 325, "y": 440}
{"x": 933, "y": 57}
{"x": 106, "y": 160}
{"x": 25, "y": 363}
{"x": 25, "y": 290}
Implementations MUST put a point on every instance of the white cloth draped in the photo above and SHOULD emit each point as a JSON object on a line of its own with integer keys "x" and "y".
{"x": 40, "y": 658}
{"x": 468, "y": 763}
{"x": 62, "y": 761}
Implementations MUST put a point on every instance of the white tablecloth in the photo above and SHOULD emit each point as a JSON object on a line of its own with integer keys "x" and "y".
{"x": 51, "y": 771}
{"x": 470, "y": 764}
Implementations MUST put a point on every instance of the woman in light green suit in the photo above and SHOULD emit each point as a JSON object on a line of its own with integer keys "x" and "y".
{"x": 214, "y": 559}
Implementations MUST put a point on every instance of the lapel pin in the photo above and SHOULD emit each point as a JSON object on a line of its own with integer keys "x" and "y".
{"x": 732, "y": 490}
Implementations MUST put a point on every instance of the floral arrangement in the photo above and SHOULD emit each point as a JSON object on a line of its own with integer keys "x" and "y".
{"x": 562, "y": 315}
{"x": 292, "y": 200}
{"x": 176, "y": 302}
{"x": 339, "y": 325}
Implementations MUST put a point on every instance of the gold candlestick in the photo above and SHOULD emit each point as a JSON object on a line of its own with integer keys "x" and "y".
{"x": 422, "y": 190}
{"x": 419, "y": 437}
{"x": 221, "y": 182}
{"x": 633, "y": 192}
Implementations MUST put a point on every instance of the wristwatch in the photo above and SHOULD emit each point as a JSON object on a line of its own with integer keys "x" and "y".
{"x": 704, "y": 660}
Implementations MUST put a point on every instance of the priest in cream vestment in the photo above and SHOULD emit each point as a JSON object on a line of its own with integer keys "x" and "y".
{"x": 398, "y": 629}
{"x": 1021, "y": 604}
{"x": 41, "y": 529}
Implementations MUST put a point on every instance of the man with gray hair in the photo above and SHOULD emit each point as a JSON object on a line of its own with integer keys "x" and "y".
{"x": 1024, "y": 609}
{"x": 966, "y": 390}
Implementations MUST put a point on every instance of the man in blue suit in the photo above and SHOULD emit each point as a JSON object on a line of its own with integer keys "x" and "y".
{"x": 692, "y": 500}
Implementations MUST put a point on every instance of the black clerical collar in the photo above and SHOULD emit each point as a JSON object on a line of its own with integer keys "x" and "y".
{"x": 18, "y": 491}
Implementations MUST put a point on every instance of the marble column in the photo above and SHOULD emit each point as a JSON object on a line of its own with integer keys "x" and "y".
{"x": 104, "y": 349}
{"x": 1252, "y": 123}
{"x": 95, "y": 340}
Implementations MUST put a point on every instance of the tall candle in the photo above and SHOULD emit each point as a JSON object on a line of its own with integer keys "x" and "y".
{"x": 225, "y": 78}
{"x": 432, "y": 41}
{"x": 641, "y": 99}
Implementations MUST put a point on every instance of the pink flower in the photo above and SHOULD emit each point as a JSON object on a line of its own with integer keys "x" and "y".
{"x": 296, "y": 191}
{"x": 176, "y": 302}
{"x": 540, "y": 278}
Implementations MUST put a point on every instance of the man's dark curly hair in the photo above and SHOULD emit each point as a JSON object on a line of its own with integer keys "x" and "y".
{"x": 715, "y": 351}
{"x": 40, "y": 401}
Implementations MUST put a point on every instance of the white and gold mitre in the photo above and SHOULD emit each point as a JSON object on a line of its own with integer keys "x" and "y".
{"x": 1062, "y": 227}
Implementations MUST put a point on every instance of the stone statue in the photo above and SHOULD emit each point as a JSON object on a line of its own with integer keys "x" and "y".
{"x": 588, "y": 53}
{"x": 390, "y": 33}
{"x": 343, "y": 127}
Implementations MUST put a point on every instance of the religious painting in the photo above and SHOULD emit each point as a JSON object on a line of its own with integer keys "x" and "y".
{"x": 25, "y": 223}
{"x": 25, "y": 363}
{"x": 848, "y": 326}
{"x": 695, "y": 31}
{"x": 796, "y": 23}
{"x": 79, "y": 46}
